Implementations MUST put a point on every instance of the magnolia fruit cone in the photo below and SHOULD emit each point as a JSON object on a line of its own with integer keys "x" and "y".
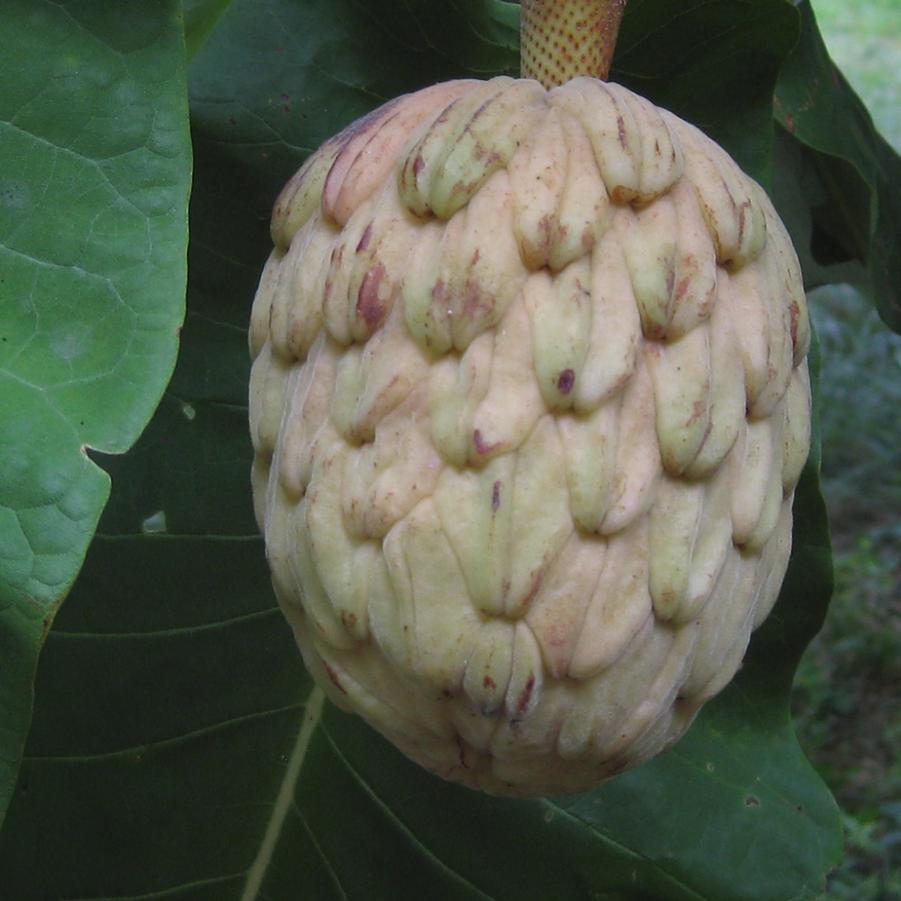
{"x": 529, "y": 402}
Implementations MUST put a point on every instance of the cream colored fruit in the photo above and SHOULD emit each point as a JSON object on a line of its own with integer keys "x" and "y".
{"x": 529, "y": 403}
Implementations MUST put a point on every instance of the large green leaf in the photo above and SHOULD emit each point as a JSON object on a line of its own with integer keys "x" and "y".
{"x": 94, "y": 177}
{"x": 845, "y": 183}
{"x": 178, "y": 747}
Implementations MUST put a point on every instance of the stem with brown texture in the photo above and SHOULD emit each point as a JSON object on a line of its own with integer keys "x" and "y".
{"x": 562, "y": 39}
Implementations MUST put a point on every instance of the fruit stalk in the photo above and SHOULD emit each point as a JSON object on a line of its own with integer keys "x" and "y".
{"x": 562, "y": 39}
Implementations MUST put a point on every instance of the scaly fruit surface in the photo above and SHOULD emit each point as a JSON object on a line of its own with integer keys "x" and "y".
{"x": 529, "y": 403}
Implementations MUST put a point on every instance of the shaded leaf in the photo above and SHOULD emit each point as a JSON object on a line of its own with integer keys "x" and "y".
{"x": 858, "y": 215}
{"x": 798, "y": 191}
{"x": 94, "y": 177}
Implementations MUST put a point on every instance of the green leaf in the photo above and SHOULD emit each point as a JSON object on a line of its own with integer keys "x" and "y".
{"x": 797, "y": 191}
{"x": 179, "y": 749}
{"x": 94, "y": 178}
{"x": 856, "y": 174}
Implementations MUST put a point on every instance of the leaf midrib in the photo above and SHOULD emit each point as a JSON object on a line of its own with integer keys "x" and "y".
{"x": 285, "y": 797}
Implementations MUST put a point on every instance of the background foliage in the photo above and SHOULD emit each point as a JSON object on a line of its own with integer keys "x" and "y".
{"x": 177, "y": 748}
{"x": 845, "y": 699}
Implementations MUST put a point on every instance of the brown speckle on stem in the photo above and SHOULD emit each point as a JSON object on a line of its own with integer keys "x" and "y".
{"x": 563, "y": 39}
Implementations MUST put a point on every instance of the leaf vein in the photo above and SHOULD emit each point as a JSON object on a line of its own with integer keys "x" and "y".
{"x": 383, "y": 805}
{"x": 608, "y": 839}
{"x": 285, "y": 797}
{"x": 319, "y": 849}
{"x": 168, "y": 633}
{"x": 160, "y": 744}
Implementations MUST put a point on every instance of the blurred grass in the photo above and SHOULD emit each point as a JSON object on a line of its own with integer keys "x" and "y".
{"x": 846, "y": 692}
{"x": 864, "y": 39}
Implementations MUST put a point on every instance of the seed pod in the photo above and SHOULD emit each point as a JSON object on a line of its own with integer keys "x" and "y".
{"x": 529, "y": 404}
